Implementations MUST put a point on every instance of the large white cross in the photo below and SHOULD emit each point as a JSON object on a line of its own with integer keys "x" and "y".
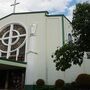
{"x": 14, "y": 6}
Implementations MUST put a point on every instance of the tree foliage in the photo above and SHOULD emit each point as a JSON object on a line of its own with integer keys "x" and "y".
{"x": 81, "y": 25}
{"x": 67, "y": 55}
{"x": 72, "y": 53}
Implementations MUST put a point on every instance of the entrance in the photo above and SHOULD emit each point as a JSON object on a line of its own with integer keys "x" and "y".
{"x": 2, "y": 79}
{"x": 12, "y": 79}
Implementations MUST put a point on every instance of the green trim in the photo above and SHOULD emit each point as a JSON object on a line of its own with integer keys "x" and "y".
{"x": 13, "y": 60}
{"x": 24, "y": 13}
{"x": 68, "y": 20}
{"x": 63, "y": 38}
{"x": 11, "y": 63}
{"x": 57, "y": 15}
{"x": 29, "y": 87}
{"x": 35, "y": 87}
{"x": 46, "y": 14}
{"x": 62, "y": 15}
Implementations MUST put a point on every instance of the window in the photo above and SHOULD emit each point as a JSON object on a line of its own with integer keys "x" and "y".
{"x": 12, "y": 39}
{"x": 88, "y": 55}
{"x": 69, "y": 38}
{"x": 33, "y": 29}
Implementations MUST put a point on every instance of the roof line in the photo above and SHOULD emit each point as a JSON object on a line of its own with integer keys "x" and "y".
{"x": 54, "y": 15}
{"x": 57, "y": 15}
{"x": 46, "y": 14}
{"x": 68, "y": 19}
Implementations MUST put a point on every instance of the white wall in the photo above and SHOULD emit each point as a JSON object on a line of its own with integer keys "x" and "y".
{"x": 47, "y": 38}
{"x": 67, "y": 29}
{"x": 38, "y": 45}
{"x": 54, "y": 39}
{"x": 35, "y": 62}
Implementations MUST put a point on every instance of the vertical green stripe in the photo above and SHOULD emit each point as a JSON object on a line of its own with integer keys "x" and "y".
{"x": 63, "y": 39}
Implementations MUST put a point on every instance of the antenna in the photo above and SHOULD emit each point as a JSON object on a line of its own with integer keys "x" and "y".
{"x": 14, "y": 6}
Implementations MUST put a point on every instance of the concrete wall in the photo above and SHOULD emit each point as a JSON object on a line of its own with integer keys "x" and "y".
{"x": 35, "y": 62}
{"x": 39, "y": 48}
{"x": 67, "y": 28}
{"x": 54, "y": 40}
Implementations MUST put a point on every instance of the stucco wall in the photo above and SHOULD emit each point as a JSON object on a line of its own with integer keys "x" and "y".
{"x": 67, "y": 29}
{"x": 35, "y": 62}
{"x": 48, "y": 36}
{"x": 54, "y": 40}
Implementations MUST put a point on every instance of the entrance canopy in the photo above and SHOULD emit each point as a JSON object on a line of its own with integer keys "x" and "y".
{"x": 10, "y": 64}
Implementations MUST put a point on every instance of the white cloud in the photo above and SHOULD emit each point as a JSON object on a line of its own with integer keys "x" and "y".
{"x": 49, "y": 5}
{"x": 53, "y": 6}
{"x": 70, "y": 12}
{"x": 70, "y": 9}
{"x": 34, "y": 5}
{"x": 81, "y": 1}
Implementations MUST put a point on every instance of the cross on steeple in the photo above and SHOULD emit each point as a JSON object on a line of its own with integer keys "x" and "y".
{"x": 14, "y": 6}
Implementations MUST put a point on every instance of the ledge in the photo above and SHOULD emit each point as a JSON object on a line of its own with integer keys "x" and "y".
{"x": 12, "y": 63}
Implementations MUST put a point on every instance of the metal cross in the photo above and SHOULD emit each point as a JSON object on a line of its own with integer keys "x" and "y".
{"x": 14, "y": 6}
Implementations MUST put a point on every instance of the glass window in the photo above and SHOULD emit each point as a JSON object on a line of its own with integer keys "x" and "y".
{"x": 88, "y": 55}
{"x": 69, "y": 38}
{"x": 12, "y": 41}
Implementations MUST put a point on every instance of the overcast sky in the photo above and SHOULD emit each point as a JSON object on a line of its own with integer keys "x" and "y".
{"x": 52, "y": 6}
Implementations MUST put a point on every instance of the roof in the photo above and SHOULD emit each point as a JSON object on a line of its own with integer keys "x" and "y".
{"x": 35, "y": 12}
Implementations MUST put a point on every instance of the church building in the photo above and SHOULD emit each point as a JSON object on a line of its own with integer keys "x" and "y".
{"x": 27, "y": 41}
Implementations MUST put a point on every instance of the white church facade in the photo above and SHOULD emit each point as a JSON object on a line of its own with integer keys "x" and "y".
{"x": 27, "y": 41}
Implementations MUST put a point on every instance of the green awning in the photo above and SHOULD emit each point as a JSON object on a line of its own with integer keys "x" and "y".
{"x": 10, "y": 64}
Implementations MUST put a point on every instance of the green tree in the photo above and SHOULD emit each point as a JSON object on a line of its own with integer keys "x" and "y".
{"x": 81, "y": 25}
{"x": 67, "y": 55}
{"x": 72, "y": 53}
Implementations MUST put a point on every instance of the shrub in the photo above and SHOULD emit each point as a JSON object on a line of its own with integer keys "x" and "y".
{"x": 40, "y": 82}
{"x": 83, "y": 80}
{"x": 59, "y": 83}
{"x": 68, "y": 86}
{"x": 74, "y": 84}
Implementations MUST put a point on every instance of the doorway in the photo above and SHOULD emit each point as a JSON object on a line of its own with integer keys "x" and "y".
{"x": 12, "y": 79}
{"x": 2, "y": 79}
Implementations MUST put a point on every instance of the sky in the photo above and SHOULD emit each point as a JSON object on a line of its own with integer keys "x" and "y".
{"x": 52, "y": 6}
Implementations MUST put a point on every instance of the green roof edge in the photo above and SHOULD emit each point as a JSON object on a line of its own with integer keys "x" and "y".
{"x": 13, "y": 60}
{"x": 46, "y": 14}
{"x": 24, "y": 13}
